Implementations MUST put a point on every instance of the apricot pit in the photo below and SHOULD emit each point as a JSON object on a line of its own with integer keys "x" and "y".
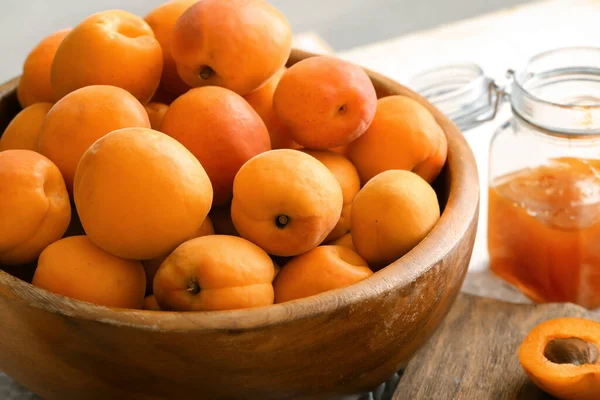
{"x": 571, "y": 350}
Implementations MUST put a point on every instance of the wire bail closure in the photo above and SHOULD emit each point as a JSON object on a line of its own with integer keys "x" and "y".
{"x": 463, "y": 93}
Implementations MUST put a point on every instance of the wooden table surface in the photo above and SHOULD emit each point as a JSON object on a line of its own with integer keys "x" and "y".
{"x": 473, "y": 355}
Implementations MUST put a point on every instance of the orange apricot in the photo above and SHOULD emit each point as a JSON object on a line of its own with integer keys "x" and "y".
{"x": 34, "y": 205}
{"x": 162, "y": 20}
{"x": 150, "y": 303}
{"x": 77, "y": 268}
{"x": 221, "y": 129}
{"x": 236, "y": 44}
{"x": 340, "y": 149}
{"x": 140, "y": 193}
{"x": 391, "y": 214}
{"x": 346, "y": 175}
{"x": 111, "y": 47}
{"x": 215, "y": 272}
{"x": 319, "y": 270}
{"x": 262, "y": 102}
{"x": 151, "y": 266}
{"x": 34, "y": 84}
{"x": 403, "y": 135}
{"x": 285, "y": 201}
{"x": 156, "y": 113}
{"x": 23, "y": 132}
{"x": 325, "y": 102}
{"x": 345, "y": 241}
{"x": 72, "y": 126}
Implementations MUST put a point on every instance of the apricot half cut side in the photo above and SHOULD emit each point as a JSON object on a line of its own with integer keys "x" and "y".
{"x": 561, "y": 357}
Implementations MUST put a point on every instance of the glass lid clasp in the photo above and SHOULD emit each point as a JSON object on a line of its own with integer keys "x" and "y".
{"x": 463, "y": 93}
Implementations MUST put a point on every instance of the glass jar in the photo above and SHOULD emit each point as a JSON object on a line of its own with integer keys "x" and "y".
{"x": 543, "y": 223}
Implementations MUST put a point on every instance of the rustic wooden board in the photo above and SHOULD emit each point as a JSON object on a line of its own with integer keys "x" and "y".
{"x": 474, "y": 353}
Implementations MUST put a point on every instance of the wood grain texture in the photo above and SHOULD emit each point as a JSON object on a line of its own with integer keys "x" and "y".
{"x": 342, "y": 342}
{"x": 474, "y": 353}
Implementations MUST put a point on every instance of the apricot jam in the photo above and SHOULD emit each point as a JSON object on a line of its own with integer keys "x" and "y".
{"x": 544, "y": 230}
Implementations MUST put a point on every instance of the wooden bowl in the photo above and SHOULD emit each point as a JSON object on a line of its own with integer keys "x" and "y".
{"x": 343, "y": 342}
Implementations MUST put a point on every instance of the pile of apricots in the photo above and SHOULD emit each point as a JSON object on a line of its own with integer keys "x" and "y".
{"x": 173, "y": 162}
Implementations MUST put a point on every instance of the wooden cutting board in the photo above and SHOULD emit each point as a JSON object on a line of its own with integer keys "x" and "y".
{"x": 473, "y": 355}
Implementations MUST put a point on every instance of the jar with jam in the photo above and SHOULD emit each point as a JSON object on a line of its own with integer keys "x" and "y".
{"x": 543, "y": 219}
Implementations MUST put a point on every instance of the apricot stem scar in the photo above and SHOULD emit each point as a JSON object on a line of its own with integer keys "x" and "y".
{"x": 206, "y": 72}
{"x": 193, "y": 286}
{"x": 281, "y": 221}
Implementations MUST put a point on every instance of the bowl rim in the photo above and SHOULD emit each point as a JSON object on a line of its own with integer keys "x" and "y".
{"x": 461, "y": 208}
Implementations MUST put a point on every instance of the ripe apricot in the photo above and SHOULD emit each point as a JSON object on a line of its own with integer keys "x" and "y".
{"x": 162, "y": 19}
{"x": 77, "y": 268}
{"x": 140, "y": 193}
{"x": 325, "y": 102}
{"x": 221, "y": 129}
{"x": 34, "y": 84}
{"x": 150, "y": 303}
{"x": 72, "y": 125}
{"x": 347, "y": 177}
{"x": 285, "y": 201}
{"x": 345, "y": 241}
{"x": 340, "y": 149}
{"x": 403, "y": 135}
{"x": 215, "y": 272}
{"x": 111, "y": 47}
{"x": 262, "y": 102}
{"x": 34, "y": 205}
{"x": 391, "y": 214}
{"x": 23, "y": 132}
{"x": 156, "y": 113}
{"x": 319, "y": 270}
{"x": 206, "y": 228}
{"x": 236, "y": 44}
{"x": 151, "y": 266}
